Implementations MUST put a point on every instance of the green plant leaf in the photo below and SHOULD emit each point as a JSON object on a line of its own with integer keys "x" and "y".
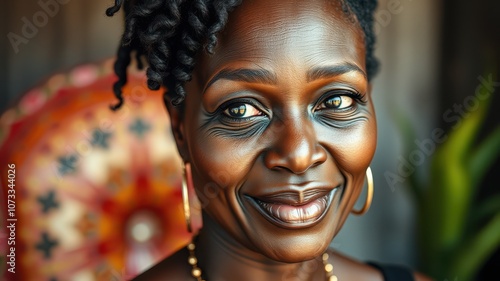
{"x": 487, "y": 208}
{"x": 484, "y": 156}
{"x": 452, "y": 179}
{"x": 449, "y": 199}
{"x": 475, "y": 252}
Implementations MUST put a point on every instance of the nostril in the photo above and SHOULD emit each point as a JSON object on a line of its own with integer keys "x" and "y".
{"x": 273, "y": 161}
{"x": 297, "y": 161}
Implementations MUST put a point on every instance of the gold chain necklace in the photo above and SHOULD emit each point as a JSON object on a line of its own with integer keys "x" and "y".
{"x": 197, "y": 273}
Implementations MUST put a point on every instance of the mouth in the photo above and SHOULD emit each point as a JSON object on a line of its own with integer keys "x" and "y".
{"x": 286, "y": 212}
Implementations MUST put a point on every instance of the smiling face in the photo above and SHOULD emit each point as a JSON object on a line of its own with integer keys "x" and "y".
{"x": 279, "y": 127}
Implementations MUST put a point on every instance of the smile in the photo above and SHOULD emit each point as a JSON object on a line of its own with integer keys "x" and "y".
{"x": 286, "y": 213}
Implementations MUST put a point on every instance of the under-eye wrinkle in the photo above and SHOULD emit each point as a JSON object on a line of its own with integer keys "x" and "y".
{"x": 250, "y": 130}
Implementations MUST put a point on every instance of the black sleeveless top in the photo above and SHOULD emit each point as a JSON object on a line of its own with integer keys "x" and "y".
{"x": 393, "y": 272}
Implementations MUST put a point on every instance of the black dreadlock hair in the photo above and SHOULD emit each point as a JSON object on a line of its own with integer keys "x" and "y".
{"x": 170, "y": 33}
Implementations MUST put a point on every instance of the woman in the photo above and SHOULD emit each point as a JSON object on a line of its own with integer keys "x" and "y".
{"x": 271, "y": 111}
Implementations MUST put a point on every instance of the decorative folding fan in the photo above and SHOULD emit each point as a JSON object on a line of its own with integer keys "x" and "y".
{"x": 97, "y": 192}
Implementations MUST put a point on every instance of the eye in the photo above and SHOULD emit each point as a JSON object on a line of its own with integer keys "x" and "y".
{"x": 340, "y": 101}
{"x": 241, "y": 110}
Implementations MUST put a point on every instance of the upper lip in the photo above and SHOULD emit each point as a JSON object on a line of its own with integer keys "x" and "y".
{"x": 294, "y": 195}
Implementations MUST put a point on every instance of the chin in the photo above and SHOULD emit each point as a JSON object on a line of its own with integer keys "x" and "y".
{"x": 296, "y": 249}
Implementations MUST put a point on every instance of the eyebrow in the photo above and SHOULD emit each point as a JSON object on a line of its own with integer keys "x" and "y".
{"x": 245, "y": 75}
{"x": 331, "y": 71}
{"x": 267, "y": 77}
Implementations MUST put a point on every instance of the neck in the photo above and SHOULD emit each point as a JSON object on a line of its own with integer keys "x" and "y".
{"x": 222, "y": 258}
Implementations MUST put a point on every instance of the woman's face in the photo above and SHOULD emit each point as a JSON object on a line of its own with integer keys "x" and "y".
{"x": 279, "y": 127}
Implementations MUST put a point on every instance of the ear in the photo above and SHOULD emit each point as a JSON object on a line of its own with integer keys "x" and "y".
{"x": 176, "y": 114}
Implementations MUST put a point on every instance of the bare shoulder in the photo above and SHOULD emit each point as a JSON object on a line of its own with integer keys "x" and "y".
{"x": 173, "y": 267}
{"x": 350, "y": 269}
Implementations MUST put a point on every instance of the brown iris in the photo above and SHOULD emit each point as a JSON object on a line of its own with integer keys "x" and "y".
{"x": 238, "y": 111}
{"x": 333, "y": 102}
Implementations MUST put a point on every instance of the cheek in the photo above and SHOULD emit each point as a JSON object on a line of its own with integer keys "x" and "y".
{"x": 220, "y": 164}
{"x": 222, "y": 161}
{"x": 220, "y": 167}
{"x": 353, "y": 148}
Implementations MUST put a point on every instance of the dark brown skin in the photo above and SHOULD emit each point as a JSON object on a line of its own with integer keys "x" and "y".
{"x": 290, "y": 144}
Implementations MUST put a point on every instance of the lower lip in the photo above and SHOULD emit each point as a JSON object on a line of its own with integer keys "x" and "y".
{"x": 289, "y": 216}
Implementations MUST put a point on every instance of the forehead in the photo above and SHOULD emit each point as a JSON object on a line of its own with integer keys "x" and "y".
{"x": 273, "y": 34}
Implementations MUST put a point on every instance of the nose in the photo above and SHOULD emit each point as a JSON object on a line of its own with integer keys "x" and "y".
{"x": 295, "y": 148}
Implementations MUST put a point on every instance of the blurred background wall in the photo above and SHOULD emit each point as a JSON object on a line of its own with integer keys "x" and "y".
{"x": 76, "y": 33}
{"x": 431, "y": 54}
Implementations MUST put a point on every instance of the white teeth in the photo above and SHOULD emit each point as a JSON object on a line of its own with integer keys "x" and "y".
{"x": 296, "y": 214}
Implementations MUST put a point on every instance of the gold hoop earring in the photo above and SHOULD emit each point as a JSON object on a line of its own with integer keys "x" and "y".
{"x": 185, "y": 196}
{"x": 369, "y": 195}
